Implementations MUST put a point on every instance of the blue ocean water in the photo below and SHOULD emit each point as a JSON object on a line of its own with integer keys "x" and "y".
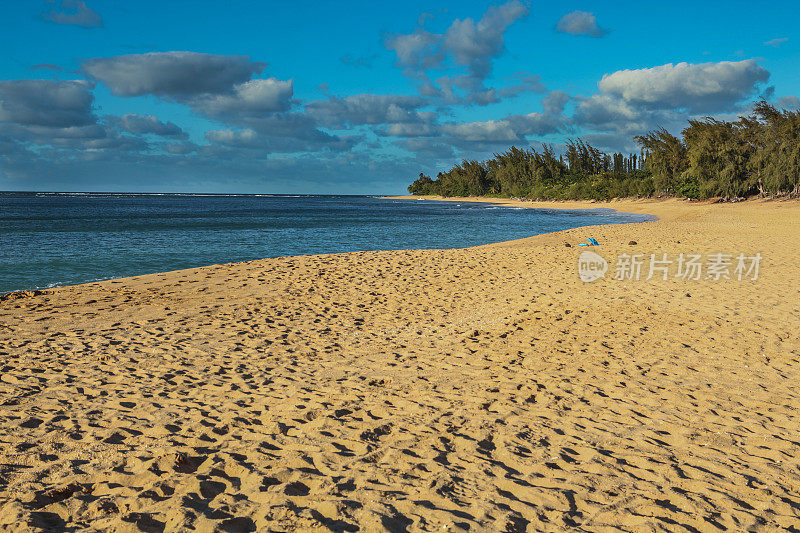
{"x": 51, "y": 239}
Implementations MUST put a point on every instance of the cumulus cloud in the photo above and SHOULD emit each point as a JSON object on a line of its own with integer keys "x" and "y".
{"x": 281, "y": 132}
{"x": 46, "y": 103}
{"x": 483, "y": 131}
{"x": 461, "y": 57}
{"x": 449, "y": 88}
{"x": 295, "y": 125}
{"x": 631, "y": 102}
{"x": 176, "y": 75}
{"x": 514, "y": 128}
{"x": 217, "y": 87}
{"x": 144, "y": 124}
{"x": 605, "y": 110}
{"x": 111, "y": 142}
{"x": 475, "y": 44}
{"x": 699, "y": 88}
{"x": 611, "y": 123}
{"x": 59, "y": 115}
{"x": 403, "y": 129}
{"x": 477, "y": 135}
{"x": 271, "y": 130}
{"x": 75, "y": 140}
{"x": 228, "y": 141}
{"x": 71, "y": 12}
{"x": 240, "y": 139}
{"x": 425, "y": 149}
{"x": 554, "y": 102}
{"x": 250, "y": 97}
{"x": 417, "y": 51}
{"x": 361, "y": 109}
{"x": 580, "y": 23}
{"x": 510, "y": 129}
{"x": 424, "y": 129}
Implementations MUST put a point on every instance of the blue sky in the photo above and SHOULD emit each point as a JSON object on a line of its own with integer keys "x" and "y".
{"x": 359, "y": 97}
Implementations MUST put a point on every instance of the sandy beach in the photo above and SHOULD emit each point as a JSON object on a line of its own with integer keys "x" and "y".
{"x": 480, "y": 389}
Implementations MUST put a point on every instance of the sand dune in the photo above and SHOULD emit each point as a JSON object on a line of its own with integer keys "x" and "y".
{"x": 483, "y": 389}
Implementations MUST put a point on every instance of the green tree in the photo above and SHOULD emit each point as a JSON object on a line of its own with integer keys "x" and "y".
{"x": 666, "y": 158}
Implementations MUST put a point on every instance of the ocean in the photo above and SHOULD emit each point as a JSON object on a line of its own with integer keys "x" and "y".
{"x": 53, "y": 239}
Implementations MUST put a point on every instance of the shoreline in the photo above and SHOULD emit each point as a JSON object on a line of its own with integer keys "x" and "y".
{"x": 664, "y": 207}
{"x": 505, "y": 202}
{"x": 421, "y": 389}
{"x": 623, "y": 205}
{"x": 578, "y": 205}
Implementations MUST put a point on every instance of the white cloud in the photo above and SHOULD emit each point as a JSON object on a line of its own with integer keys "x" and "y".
{"x": 254, "y": 96}
{"x": 424, "y": 149}
{"x": 700, "y": 88}
{"x": 475, "y": 44}
{"x": 554, "y": 102}
{"x": 403, "y": 129}
{"x": 290, "y": 136}
{"x": 461, "y": 57}
{"x": 60, "y": 115}
{"x": 514, "y": 128}
{"x": 419, "y": 50}
{"x": 604, "y": 109}
{"x": 46, "y": 102}
{"x": 175, "y": 75}
{"x": 361, "y": 109}
{"x": 144, "y": 124}
{"x": 483, "y": 131}
{"x": 218, "y": 87}
{"x": 631, "y": 102}
{"x": 580, "y": 23}
{"x": 244, "y": 138}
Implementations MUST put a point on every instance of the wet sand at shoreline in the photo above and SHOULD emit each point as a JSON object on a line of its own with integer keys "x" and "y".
{"x": 481, "y": 389}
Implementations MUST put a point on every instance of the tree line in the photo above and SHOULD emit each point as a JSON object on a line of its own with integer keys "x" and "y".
{"x": 755, "y": 155}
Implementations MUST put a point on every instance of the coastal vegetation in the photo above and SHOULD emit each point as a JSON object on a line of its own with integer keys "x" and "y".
{"x": 758, "y": 154}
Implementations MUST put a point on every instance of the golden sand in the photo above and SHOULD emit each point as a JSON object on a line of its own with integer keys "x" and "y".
{"x": 486, "y": 388}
